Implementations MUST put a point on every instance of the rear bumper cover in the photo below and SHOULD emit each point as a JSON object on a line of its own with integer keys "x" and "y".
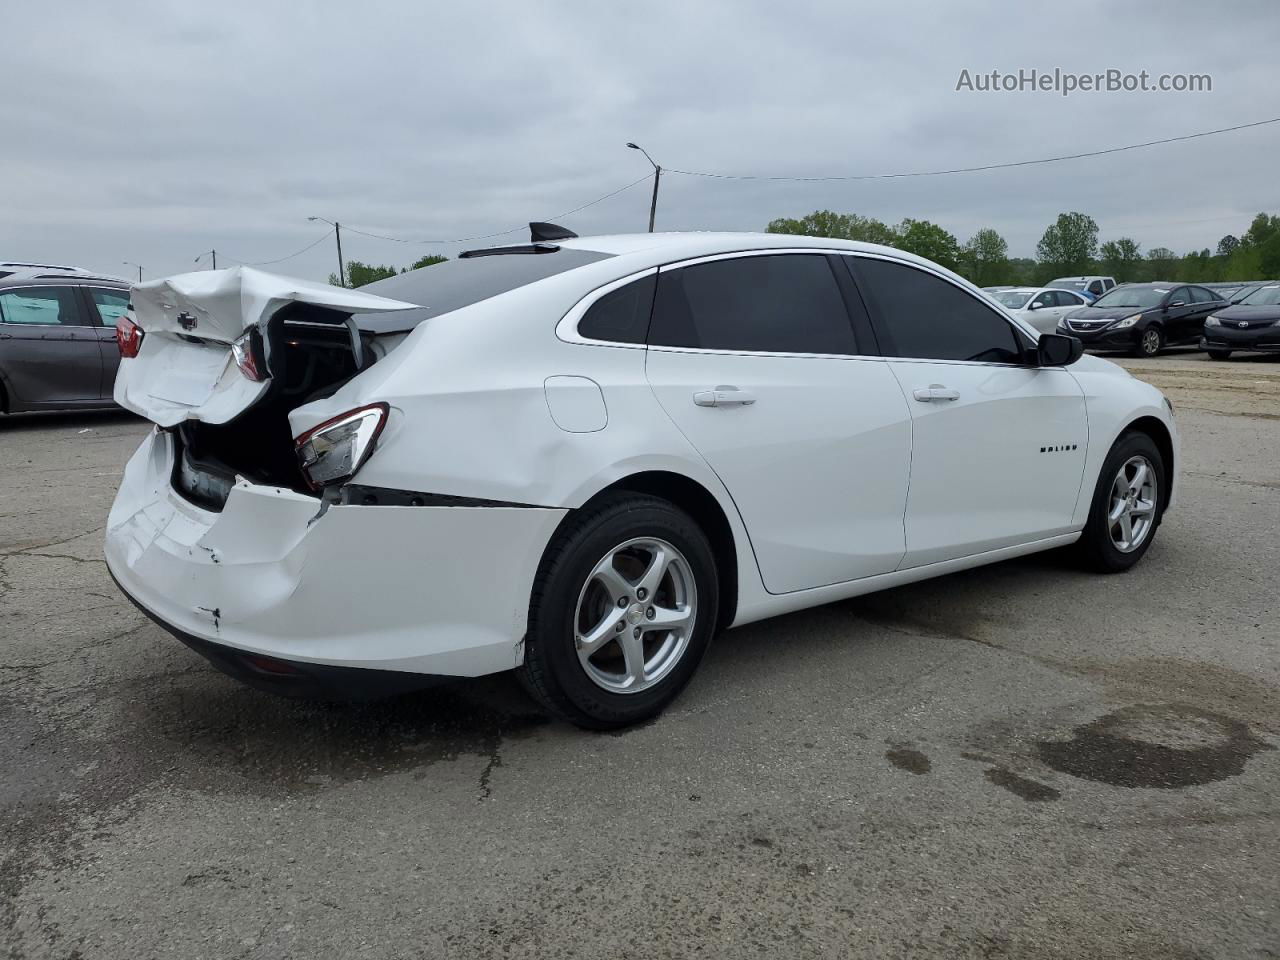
{"x": 420, "y": 590}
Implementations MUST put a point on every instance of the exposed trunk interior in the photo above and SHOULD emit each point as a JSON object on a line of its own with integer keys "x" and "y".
{"x": 310, "y": 353}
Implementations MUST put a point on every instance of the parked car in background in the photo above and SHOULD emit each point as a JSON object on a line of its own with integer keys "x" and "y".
{"x": 1091, "y": 287}
{"x": 1143, "y": 318}
{"x": 1251, "y": 324}
{"x": 582, "y": 464}
{"x": 1042, "y": 307}
{"x": 58, "y": 337}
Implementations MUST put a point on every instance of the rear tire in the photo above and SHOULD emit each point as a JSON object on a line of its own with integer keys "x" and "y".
{"x": 1150, "y": 342}
{"x": 1127, "y": 506}
{"x": 1219, "y": 354}
{"x": 598, "y": 652}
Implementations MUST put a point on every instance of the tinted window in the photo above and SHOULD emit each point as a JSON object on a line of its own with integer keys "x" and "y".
{"x": 40, "y": 305}
{"x": 1182, "y": 293}
{"x": 621, "y": 315}
{"x": 444, "y": 287}
{"x": 1096, "y": 288}
{"x": 922, "y": 315}
{"x": 111, "y": 304}
{"x": 789, "y": 303}
{"x": 1201, "y": 295}
{"x": 1045, "y": 298}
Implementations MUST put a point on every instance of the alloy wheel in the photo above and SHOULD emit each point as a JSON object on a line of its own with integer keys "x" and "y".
{"x": 635, "y": 615}
{"x": 1151, "y": 342}
{"x": 1132, "y": 514}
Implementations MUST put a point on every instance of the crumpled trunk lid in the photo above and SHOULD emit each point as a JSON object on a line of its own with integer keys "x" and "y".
{"x": 184, "y": 369}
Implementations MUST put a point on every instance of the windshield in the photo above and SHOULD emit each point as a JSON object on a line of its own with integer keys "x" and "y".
{"x": 1013, "y": 299}
{"x": 1264, "y": 296}
{"x": 1132, "y": 297}
{"x": 1068, "y": 284}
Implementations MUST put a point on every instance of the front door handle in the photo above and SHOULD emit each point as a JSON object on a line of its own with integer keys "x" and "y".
{"x": 936, "y": 391}
{"x": 725, "y": 395}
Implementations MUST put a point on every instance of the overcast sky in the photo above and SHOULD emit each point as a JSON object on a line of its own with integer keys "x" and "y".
{"x": 151, "y": 132}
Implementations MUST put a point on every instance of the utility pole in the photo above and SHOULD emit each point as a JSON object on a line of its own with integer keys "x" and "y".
{"x": 130, "y": 263}
{"x": 209, "y": 253}
{"x": 337, "y": 233}
{"x": 657, "y": 175}
{"x": 342, "y": 269}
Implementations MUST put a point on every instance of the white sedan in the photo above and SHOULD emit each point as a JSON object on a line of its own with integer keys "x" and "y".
{"x": 1042, "y": 307}
{"x": 581, "y": 459}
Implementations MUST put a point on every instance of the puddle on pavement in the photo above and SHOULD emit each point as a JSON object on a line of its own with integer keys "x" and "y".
{"x": 1163, "y": 746}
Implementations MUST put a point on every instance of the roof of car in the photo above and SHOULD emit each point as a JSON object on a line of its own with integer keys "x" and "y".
{"x": 43, "y": 278}
{"x": 645, "y": 249}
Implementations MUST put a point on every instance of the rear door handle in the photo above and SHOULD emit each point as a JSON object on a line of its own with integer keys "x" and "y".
{"x": 936, "y": 391}
{"x": 725, "y": 395}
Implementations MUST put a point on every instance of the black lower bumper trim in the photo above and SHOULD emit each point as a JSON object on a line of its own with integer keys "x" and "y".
{"x": 295, "y": 678}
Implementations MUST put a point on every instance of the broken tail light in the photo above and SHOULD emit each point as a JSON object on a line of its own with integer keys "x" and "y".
{"x": 334, "y": 450}
{"x": 128, "y": 337}
{"x": 247, "y": 351}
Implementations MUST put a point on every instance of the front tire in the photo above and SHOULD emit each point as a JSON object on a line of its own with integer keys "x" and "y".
{"x": 1150, "y": 342}
{"x": 1128, "y": 502}
{"x": 622, "y": 610}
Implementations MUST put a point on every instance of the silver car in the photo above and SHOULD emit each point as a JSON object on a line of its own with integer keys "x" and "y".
{"x": 58, "y": 346}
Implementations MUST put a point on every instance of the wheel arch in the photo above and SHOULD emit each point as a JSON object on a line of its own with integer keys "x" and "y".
{"x": 1154, "y": 428}
{"x": 701, "y": 504}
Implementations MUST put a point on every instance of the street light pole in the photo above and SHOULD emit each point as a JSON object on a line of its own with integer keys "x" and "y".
{"x": 129, "y": 263}
{"x": 657, "y": 175}
{"x": 209, "y": 253}
{"x": 337, "y": 233}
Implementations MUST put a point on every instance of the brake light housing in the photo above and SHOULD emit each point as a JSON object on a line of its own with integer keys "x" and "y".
{"x": 248, "y": 354}
{"x": 333, "y": 451}
{"x": 128, "y": 337}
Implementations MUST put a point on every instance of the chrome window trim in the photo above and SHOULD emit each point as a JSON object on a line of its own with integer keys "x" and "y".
{"x": 567, "y": 327}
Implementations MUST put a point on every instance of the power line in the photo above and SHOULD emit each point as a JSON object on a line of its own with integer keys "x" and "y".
{"x": 490, "y": 236}
{"x": 988, "y": 166}
{"x": 265, "y": 263}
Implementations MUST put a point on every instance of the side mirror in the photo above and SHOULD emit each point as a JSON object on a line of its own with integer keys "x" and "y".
{"x": 1035, "y": 306}
{"x": 1056, "y": 350}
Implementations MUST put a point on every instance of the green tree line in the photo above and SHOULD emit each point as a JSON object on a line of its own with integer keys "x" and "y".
{"x": 358, "y": 274}
{"x": 1068, "y": 247}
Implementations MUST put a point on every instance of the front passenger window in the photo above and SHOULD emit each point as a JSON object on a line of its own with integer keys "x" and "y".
{"x": 922, "y": 316}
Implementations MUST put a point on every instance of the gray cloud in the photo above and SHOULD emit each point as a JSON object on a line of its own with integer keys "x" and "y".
{"x": 157, "y": 133}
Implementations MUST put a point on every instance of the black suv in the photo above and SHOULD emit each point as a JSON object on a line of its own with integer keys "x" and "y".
{"x": 1143, "y": 318}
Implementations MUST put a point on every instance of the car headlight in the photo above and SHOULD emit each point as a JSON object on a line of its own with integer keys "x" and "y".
{"x": 336, "y": 449}
{"x": 1128, "y": 321}
{"x": 1212, "y": 322}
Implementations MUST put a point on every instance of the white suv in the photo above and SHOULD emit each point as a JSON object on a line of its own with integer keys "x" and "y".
{"x": 582, "y": 459}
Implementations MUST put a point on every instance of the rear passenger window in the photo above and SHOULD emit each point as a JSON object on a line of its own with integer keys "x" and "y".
{"x": 923, "y": 316}
{"x": 111, "y": 304}
{"x": 783, "y": 303}
{"x": 622, "y": 315}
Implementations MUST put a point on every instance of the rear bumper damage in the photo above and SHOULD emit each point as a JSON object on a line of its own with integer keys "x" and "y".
{"x": 422, "y": 590}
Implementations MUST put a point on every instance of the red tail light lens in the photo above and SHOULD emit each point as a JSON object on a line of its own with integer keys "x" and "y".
{"x": 128, "y": 337}
{"x": 247, "y": 349}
